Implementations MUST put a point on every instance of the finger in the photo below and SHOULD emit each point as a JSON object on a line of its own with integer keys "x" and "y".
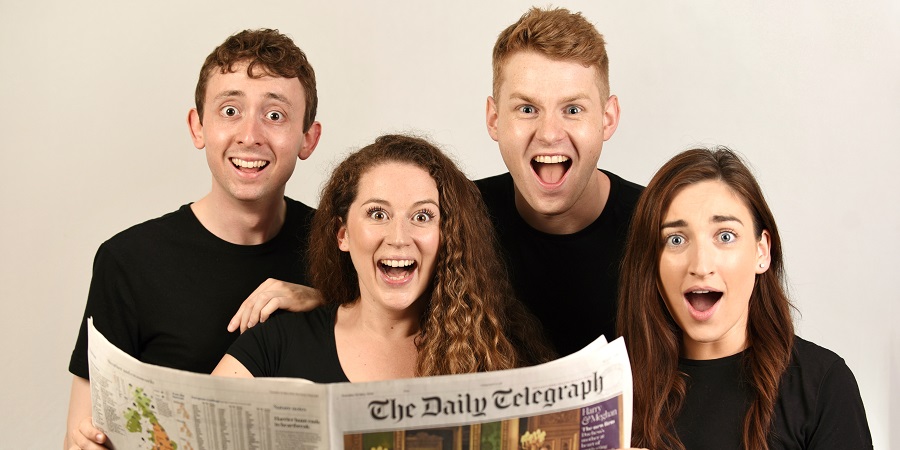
{"x": 273, "y": 305}
{"x": 235, "y": 322}
{"x": 258, "y": 303}
{"x": 89, "y": 432}
{"x": 239, "y": 320}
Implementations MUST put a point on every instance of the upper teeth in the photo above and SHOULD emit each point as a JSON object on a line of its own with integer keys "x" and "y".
{"x": 700, "y": 292}
{"x": 248, "y": 164}
{"x": 397, "y": 262}
{"x": 544, "y": 159}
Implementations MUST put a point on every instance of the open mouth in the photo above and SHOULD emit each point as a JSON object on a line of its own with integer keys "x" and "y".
{"x": 397, "y": 269}
{"x": 249, "y": 166}
{"x": 551, "y": 169}
{"x": 702, "y": 301}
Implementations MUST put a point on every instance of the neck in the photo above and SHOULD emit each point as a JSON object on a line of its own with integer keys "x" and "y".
{"x": 702, "y": 351}
{"x": 584, "y": 211}
{"x": 239, "y": 222}
{"x": 389, "y": 325}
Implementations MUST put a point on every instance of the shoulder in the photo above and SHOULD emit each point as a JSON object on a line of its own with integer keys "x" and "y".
{"x": 498, "y": 193}
{"x": 495, "y": 187}
{"x": 819, "y": 400}
{"x": 622, "y": 191}
{"x": 297, "y": 324}
{"x": 811, "y": 358}
{"x": 298, "y": 209}
{"x": 179, "y": 222}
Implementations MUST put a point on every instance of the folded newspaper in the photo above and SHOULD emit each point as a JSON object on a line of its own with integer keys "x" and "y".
{"x": 581, "y": 401}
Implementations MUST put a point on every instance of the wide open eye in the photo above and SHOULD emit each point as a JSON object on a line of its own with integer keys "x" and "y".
{"x": 527, "y": 109}
{"x": 275, "y": 116}
{"x": 423, "y": 216}
{"x": 377, "y": 213}
{"x": 675, "y": 240}
{"x": 229, "y": 111}
{"x": 727, "y": 237}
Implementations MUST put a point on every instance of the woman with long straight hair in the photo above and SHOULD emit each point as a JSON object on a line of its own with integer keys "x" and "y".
{"x": 707, "y": 322}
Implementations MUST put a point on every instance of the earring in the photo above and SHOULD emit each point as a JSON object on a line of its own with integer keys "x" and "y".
{"x": 762, "y": 265}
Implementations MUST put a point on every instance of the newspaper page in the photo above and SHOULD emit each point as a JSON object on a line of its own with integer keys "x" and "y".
{"x": 582, "y": 401}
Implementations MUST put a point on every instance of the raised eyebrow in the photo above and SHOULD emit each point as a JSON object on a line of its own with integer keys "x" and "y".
{"x": 239, "y": 93}
{"x": 228, "y": 94}
{"x": 279, "y": 97}
{"x": 720, "y": 219}
{"x": 427, "y": 201}
{"x": 377, "y": 200}
{"x": 674, "y": 224}
{"x": 522, "y": 98}
{"x": 576, "y": 98}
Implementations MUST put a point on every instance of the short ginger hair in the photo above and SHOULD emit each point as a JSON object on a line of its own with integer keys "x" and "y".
{"x": 557, "y": 34}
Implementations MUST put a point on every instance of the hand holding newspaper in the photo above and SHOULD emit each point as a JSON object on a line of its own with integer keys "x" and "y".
{"x": 581, "y": 401}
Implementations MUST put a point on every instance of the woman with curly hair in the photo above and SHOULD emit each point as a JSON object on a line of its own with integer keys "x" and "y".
{"x": 707, "y": 322}
{"x": 404, "y": 255}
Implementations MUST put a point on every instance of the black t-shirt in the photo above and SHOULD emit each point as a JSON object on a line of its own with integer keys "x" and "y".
{"x": 164, "y": 290}
{"x": 818, "y": 406}
{"x": 568, "y": 281}
{"x": 295, "y": 345}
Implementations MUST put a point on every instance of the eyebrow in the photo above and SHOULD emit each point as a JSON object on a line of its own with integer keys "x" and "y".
{"x": 238, "y": 93}
{"x": 231, "y": 93}
{"x": 527, "y": 99}
{"x": 715, "y": 219}
{"x": 385, "y": 202}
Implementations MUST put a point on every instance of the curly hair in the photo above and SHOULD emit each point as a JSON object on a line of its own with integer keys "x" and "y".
{"x": 267, "y": 53}
{"x": 557, "y": 34}
{"x": 472, "y": 322}
{"x": 654, "y": 339}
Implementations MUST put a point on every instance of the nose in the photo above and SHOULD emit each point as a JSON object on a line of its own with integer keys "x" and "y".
{"x": 398, "y": 233}
{"x": 550, "y": 128}
{"x": 702, "y": 262}
{"x": 250, "y": 132}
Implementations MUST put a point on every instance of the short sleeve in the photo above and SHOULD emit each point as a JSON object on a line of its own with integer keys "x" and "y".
{"x": 841, "y": 422}
{"x": 111, "y": 304}
{"x": 260, "y": 348}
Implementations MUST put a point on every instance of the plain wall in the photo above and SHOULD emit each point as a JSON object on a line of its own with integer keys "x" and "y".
{"x": 94, "y": 139}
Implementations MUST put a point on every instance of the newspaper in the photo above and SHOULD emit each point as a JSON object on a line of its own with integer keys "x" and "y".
{"x": 581, "y": 401}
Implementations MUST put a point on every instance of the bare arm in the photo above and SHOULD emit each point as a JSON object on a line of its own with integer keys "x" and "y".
{"x": 271, "y": 296}
{"x": 80, "y": 430}
{"x": 230, "y": 367}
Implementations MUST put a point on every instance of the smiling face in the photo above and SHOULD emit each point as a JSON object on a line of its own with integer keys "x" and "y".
{"x": 708, "y": 267}
{"x": 252, "y": 131}
{"x": 392, "y": 232}
{"x": 550, "y": 122}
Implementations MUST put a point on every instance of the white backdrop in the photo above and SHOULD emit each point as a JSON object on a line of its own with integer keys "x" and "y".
{"x": 95, "y": 95}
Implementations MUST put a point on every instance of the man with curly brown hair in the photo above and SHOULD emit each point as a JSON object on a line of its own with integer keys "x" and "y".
{"x": 165, "y": 290}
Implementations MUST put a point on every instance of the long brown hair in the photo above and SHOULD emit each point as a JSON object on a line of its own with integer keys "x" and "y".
{"x": 472, "y": 322}
{"x": 653, "y": 338}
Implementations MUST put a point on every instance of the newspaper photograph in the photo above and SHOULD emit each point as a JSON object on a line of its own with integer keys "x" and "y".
{"x": 581, "y": 401}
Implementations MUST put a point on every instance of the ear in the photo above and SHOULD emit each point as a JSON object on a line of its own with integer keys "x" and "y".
{"x": 196, "y": 128}
{"x": 343, "y": 238}
{"x": 310, "y": 140}
{"x": 763, "y": 257}
{"x": 491, "y": 117}
{"x": 610, "y": 117}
